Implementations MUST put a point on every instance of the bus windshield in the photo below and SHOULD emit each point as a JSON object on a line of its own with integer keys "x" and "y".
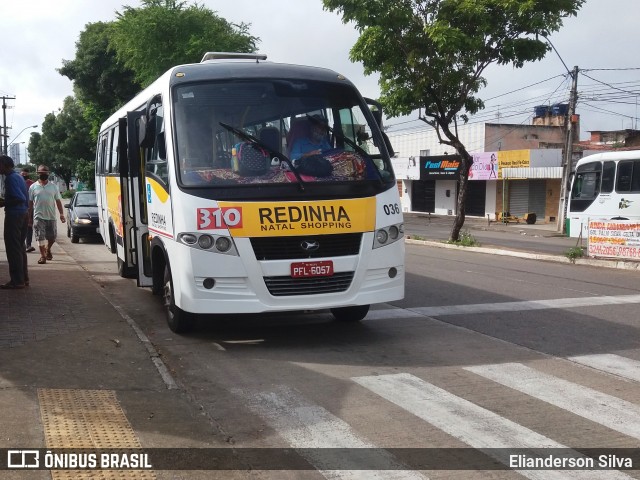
{"x": 280, "y": 131}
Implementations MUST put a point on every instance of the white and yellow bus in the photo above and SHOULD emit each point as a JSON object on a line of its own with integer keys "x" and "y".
{"x": 200, "y": 200}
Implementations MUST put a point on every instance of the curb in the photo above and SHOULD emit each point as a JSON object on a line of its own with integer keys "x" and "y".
{"x": 592, "y": 262}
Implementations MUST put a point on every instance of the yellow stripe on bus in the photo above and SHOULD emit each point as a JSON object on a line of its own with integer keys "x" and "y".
{"x": 160, "y": 192}
{"x": 268, "y": 219}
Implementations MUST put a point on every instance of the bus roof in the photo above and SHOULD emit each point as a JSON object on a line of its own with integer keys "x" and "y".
{"x": 617, "y": 155}
{"x": 227, "y": 68}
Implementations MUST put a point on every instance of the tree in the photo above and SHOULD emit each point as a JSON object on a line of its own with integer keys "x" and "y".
{"x": 65, "y": 140}
{"x": 431, "y": 55}
{"x": 101, "y": 83}
{"x": 86, "y": 172}
{"x": 164, "y": 33}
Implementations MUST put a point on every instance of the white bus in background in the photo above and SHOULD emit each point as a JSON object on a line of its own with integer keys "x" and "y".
{"x": 605, "y": 186}
{"x": 200, "y": 201}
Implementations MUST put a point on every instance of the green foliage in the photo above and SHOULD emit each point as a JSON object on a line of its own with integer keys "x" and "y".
{"x": 431, "y": 55}
{"x": 65, "y": 139}
{"x": 85, "y": 172}
{"x": 573, "y": 253}
{"x": 165, "y": 33}
{"x": 101, "y": 82}
{"x": 465, "y": 240}
{"x": 68, "y": 193}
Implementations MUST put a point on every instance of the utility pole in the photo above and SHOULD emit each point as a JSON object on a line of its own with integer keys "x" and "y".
{"x": 5, "y": 134}
{"x": 568, "y": 151}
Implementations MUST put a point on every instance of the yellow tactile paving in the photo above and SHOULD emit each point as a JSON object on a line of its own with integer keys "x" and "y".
{"x": 87, "y": 419}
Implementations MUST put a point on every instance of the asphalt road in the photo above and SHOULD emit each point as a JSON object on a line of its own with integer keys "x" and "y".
{"x": 540, "y": 238}
{"x": 485, "y": 351}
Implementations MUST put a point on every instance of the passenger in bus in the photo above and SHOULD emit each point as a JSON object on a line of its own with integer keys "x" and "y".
{"x": 312, "y": 142}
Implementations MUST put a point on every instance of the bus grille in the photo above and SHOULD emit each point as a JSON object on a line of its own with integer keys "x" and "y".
{"x": 287, "y": 286}
{"x": 284, "y": 248}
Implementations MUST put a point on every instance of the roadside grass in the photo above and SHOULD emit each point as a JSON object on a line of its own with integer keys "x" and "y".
{"x": 573, "y": 253}
{"x": 465, "y": 240}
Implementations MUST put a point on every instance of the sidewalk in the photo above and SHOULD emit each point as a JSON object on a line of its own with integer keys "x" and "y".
{"x": 537, "y": 241}
{"x": 64, "y": 348}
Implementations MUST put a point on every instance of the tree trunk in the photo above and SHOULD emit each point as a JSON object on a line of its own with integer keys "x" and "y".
{"x": 465, "y": 165}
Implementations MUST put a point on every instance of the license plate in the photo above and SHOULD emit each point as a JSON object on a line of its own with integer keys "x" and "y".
{"x": 322, "y": 268}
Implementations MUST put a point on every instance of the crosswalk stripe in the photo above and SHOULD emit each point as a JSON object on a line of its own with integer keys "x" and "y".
{"x": 608, "y": 362}
{"x": 308, "y": 426}
{"x": 470, "y": 423}
{"x": 619, "y": 415}
{"x": 560, "y": 303}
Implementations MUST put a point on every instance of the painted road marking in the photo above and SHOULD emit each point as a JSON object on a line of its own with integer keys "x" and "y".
{"x": 470, "y": 423}
{"x": 610, "y": 363}
{"x": 475, "y": 308}
{"x": 558, "y": 303}
{"x": 619, "y": 415}
{"x": 308, "y": 426}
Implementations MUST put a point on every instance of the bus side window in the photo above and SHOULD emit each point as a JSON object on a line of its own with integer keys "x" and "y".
{"x": 635, "y": 176}
{"x": 608, "y": 176}
{"x": 625, "y": 169}
{"x": 157, "y": 155}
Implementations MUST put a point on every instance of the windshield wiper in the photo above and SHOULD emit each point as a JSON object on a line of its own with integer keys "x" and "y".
{"x": 349, "y": 142}
{"x": 251, "y": 139}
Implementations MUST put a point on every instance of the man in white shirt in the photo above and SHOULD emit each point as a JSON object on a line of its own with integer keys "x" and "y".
{"x": 44, "y": 197}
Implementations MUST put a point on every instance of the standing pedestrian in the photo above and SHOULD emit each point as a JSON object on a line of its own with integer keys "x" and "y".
{"x": 44, "y": 197}
{"x": 15, "y": 224}
{"x": 26, "y": 175}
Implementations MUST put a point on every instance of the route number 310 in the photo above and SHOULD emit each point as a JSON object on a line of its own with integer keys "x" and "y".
{"x": 214, "y": 218}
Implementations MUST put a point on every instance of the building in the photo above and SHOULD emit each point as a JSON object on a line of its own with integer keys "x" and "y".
{"x": 517, "y": 168}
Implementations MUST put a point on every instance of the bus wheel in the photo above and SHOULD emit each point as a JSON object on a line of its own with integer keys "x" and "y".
{"x": 350, "y": 314}
{"x": 124, "y": 271}
{"x": 178, "y": 320}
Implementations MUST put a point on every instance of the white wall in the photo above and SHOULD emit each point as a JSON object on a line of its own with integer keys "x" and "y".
{"x": 444, "y": 203}
{"x": 490, "y": 199}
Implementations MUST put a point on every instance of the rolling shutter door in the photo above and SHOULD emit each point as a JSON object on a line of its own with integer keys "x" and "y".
{"x": 537, "y": 197}
{"x": 518, "y": 197}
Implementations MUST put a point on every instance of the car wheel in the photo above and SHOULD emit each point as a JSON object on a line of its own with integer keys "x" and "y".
{"x": 178, "y": 320}
{"x": 74, "y": 237}
{"x": 350, "y": 314}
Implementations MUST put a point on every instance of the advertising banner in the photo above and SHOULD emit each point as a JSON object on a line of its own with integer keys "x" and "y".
{"x": 614, "y": 238}
{"x": 484, "y": 167}
{"x": 513, "y": 159}
{"x": 440, "y": 166}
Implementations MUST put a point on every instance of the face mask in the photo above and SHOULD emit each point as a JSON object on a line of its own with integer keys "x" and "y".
{"x": 43, "y": 176}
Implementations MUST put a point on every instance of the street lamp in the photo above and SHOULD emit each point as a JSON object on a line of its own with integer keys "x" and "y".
{"x": 6, "y": 147}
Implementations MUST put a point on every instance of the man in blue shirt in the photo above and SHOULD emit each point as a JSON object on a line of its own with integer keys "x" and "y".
{"x": 16, "y": 203}
{"x": 315, "y": 143}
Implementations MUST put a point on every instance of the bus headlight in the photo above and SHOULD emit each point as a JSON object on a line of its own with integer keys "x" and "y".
{"x": 223, "y": 244}
{"x": 189, "y": 238}
{"x": 213, "y": 243}
{"x": 382, "y": 236}
{"x": 205, "y": 242}
{"x": 387, "y": 235}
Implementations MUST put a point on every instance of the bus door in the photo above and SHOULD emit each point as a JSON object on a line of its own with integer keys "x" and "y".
{"x": 137, "y": 244}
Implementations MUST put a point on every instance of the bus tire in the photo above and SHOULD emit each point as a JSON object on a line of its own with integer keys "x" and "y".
{"x": 112, "y": 239}
{"x": 350, "y": 314}
{"x": 124, "y": 271}
{"x": 178, "y": 320}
